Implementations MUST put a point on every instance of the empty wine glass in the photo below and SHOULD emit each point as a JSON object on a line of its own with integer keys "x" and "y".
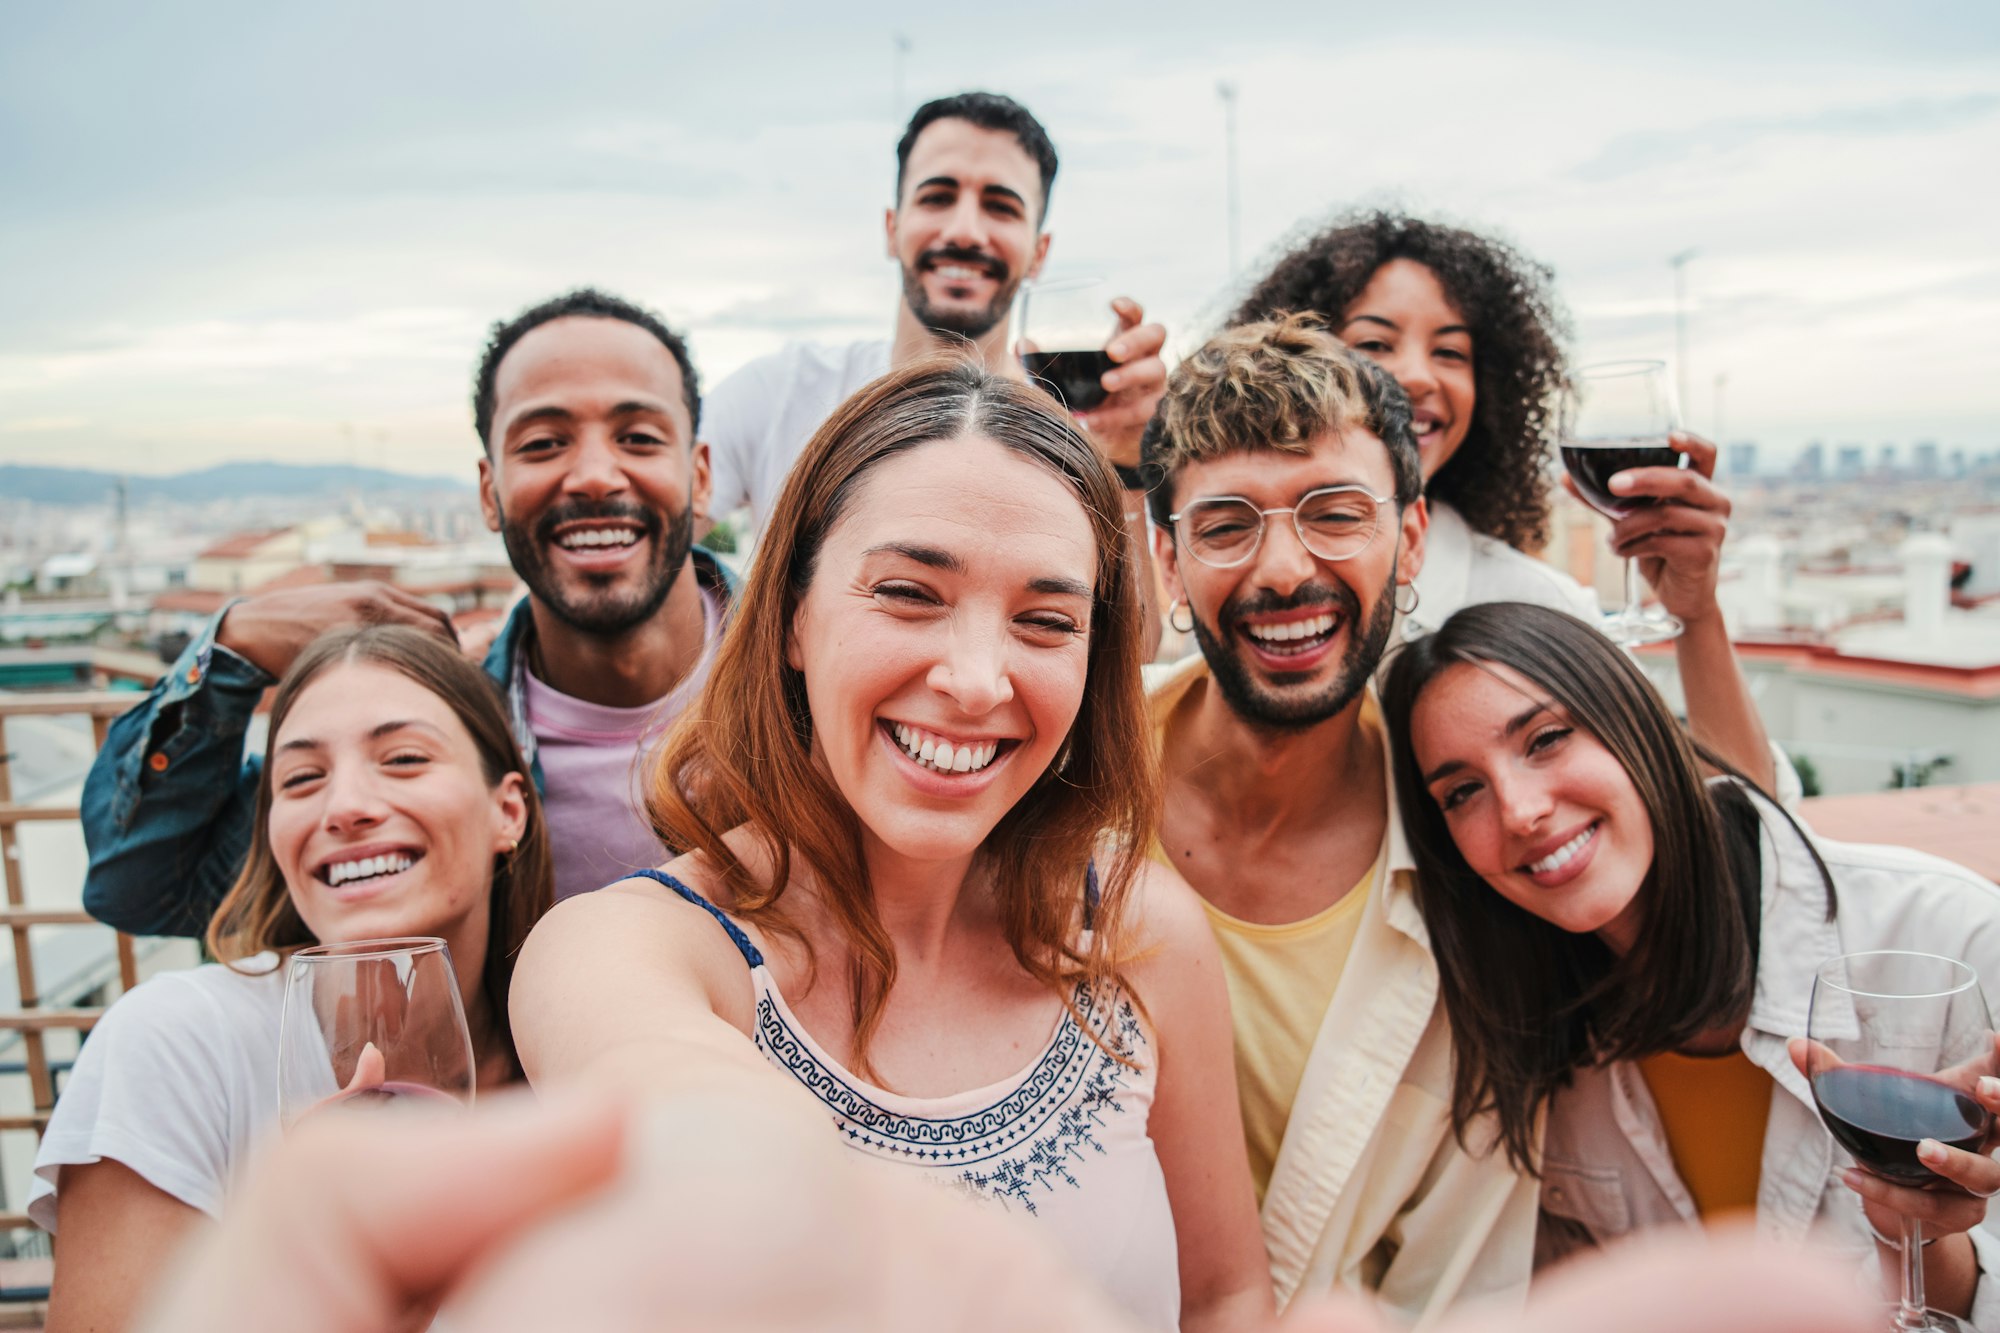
{"x": 1619, "y": 415}
{"x": 370, "y": 1022}
{"x": 1896, "y": 1043}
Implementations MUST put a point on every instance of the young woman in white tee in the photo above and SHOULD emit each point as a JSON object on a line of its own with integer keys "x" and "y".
{"x": 1628, "y": 949}
{"x": 384, "y": 742}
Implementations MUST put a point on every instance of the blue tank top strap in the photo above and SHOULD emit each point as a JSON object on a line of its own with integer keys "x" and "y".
{"x": 751, "y": 954}
{"x": 1090, "y": 896}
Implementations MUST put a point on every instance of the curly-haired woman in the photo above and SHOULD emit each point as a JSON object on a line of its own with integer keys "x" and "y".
{"x": 1472, "y": 330}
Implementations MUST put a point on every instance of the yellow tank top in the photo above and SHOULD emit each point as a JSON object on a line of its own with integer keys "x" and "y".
{"x": 1281, "y": 980}
{"x": 1714, "y": 1109}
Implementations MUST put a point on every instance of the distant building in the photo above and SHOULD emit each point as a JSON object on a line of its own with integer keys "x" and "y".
{"x": 1924, "y": 459}
{"x": 1850, "y": 462}
{"x": 1811, "y": 463}
{"x": 247, "y": 560}
{"x": 1885, "y": 461}
{"x": 1743, "y": 460}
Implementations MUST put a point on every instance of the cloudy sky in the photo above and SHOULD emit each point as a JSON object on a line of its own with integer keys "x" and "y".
{"x": 256, "y": 230}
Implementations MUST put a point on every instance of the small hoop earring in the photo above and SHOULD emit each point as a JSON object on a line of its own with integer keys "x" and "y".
{"x": 1415, "y": 597}
{"x": 1173, "y": 609}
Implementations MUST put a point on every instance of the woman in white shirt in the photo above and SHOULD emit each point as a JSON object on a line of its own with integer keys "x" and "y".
{"x": 917, "y": 917}
{"x": 392, "y": 802}
{"x": 1631, "y": 949}
{"x": 1472, "y": 330}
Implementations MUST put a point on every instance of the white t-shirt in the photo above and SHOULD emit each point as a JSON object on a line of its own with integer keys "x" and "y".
{"x": 758, "y": 420}
{"x": 178, "y": 1081}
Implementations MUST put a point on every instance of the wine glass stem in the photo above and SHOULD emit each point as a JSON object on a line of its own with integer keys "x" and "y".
{"x": 1910, "y": 1313}
{"x": 1632, "y": 598}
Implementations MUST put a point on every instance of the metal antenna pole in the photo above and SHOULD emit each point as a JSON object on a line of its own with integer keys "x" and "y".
{"x": 1679, "y": 263}
{"x": 902, "y": 46}
{"x": 1226, "y": 90}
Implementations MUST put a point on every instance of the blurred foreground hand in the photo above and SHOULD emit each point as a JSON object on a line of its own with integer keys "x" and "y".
{"x": 710, "y": 1214}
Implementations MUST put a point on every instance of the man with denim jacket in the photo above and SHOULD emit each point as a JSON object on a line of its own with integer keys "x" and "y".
{"x": 586, "y": 407}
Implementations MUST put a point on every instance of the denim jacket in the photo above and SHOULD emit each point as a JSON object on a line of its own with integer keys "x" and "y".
{"x": 168, "y": 805}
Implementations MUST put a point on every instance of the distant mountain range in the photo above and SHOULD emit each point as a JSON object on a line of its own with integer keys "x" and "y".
{"x": 230, "y": 481}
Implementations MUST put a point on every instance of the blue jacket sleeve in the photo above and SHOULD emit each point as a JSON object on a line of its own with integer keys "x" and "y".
{"x": 169, "y": 803}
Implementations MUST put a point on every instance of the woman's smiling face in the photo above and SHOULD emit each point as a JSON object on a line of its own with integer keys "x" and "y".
{"x": 945, "y": 641}
{"x": 1404, "y": 321}
{"x": 1536, "y": 805}
{"x": 382, "y": 822}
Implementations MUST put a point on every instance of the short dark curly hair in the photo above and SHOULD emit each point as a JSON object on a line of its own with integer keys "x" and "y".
{"x": 988, "y": 111}
{"x": 593, "y": 304}
{"x": 1498, "y": 480}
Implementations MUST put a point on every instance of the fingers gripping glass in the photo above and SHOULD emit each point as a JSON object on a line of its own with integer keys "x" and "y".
{"x": 1334, "y": 523}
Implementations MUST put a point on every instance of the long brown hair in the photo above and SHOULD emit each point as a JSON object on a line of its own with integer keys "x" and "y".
{"x": 742, "y": 754}
{"x": 1528, "y": 1002}
{"x": 257, "y": 914}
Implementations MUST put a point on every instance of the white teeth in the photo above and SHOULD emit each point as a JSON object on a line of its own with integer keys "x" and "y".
{"x": 1292, "y": 629}
{"x": 585, "y": 537}
{"x": 369, "y": 867}
{"x": 1562, "y": 855}
{"x": 942, "y": 755}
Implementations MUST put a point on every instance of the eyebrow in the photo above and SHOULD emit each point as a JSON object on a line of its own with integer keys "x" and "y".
{"x": 1392, "y": 324}
{"x": 952, "y": 182}
{"x": 1519, "y": 720}
{"x": 376, "y": 734}
{"x": 631, "y": 407}
{"x": 936, "y": 557}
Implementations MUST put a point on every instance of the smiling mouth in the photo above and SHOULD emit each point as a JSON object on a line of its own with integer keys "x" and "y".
{"x": 944, "y": 756}
{"x": 1566, "y": 853}
{"x": 335, "y": 874}
{"x": 1292, "y": 638}
{"x": 598, "y": 537}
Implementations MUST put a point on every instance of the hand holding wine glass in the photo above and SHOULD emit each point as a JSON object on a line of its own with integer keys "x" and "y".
{"x": 1901, "y": 1055}
{"x": 1620, "y": 416}
{"x": 371, "y": 1022}
{"x": 1097, "y": 356}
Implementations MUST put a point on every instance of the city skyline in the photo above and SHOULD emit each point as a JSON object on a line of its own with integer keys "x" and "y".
{"x": 263, "y": 235}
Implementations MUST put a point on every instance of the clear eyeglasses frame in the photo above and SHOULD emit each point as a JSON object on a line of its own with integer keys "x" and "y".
{"x": 1333, "y": 523}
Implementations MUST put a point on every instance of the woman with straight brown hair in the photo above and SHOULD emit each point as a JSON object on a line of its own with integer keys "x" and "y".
{"x": 917, "y": 796}
{"x": 392, "y": 802}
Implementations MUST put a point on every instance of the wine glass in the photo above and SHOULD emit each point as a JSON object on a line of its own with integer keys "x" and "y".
{"x": 1619, "y": 415}
{"x": 1896, "y": 1042}
{"x": 1064, "y": 325}
{"x": 371, "y": 1022}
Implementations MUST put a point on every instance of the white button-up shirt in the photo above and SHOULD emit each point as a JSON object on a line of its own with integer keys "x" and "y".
{"x": 1607, "y": 1170}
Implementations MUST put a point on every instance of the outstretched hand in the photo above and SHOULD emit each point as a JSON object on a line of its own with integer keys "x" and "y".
{"x": 704, "y": 1214}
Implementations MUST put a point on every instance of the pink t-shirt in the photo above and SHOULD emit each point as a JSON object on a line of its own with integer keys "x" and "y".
{"x": 595, "y": 767}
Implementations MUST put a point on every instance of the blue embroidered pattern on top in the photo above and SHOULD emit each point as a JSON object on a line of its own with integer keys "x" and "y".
{"x": 1011, "y": 1149}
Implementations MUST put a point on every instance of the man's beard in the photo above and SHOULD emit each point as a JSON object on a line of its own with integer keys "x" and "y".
{"x": 597, "y": 610}
{"x": 964, "y": 323}
{"x": 1250, "y": 700}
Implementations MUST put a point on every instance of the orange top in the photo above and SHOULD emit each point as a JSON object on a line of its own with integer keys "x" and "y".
{"x": 1714, "y": 1109}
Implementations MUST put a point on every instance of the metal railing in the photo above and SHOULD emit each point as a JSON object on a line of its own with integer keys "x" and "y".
{"x": 31, "y": 1021}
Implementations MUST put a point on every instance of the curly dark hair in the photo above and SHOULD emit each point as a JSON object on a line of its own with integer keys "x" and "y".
{"x": 1497, "y": 480}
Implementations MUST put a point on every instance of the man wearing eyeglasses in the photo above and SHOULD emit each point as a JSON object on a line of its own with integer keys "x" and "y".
{"x": 1289, "y": 525}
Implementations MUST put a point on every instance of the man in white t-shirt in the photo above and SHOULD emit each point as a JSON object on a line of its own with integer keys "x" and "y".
{"x": 973, "y": 173}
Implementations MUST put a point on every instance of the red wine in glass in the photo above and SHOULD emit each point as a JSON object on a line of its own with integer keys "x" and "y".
{"x": 1881, "y": 1115}
{"x": 1075, "y": 378}
{"x": 1592, "y": 464}
{"x": 396, "y": 1091}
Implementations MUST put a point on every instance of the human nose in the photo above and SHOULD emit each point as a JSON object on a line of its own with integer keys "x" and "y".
{"x": 595, "y": 469}
{"x": 1410, "y": 365}
{"x": 1524, "y": 803}
{"x": 353, "y": 804}
{"x": 1283, "y": 562}
{"x": 974, "y": 672}
{"x": 965, "y": 225}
